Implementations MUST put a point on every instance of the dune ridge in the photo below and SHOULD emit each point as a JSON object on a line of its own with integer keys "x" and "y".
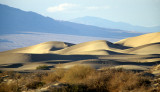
{"x": 153, "y": 48}
{"x": 140, "y": 52}
{"x": 45, "y": 47}
{"x": 140, "y": 40}
{"x": 92, "y": 46}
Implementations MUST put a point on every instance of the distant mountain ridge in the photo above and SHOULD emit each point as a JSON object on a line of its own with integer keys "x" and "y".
{"x": 14, "y": 20}
{"x": 100, "y": 22}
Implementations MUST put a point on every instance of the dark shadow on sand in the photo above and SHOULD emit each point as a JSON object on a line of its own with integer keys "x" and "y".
{"x": 116, "y": 62}
{"x": 11, "y": 65}
{"x": 48, "y": 57}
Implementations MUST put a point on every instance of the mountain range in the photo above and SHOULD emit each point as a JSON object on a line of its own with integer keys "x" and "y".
{"x": 20, "y": 28}
{"x": 104, "y": 23}
{"x": 15, "y": 20}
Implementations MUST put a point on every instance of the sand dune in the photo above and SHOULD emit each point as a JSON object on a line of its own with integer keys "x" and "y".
{"x": 153, "y": 48}
{"x": 45, "y": 47}
{"x": 143, "y": 53}
{"x": 88, "y": 47}
{"x": 97, "y": 52}
{"x": 7, "y": 58}
{"x": 141, "y": 40}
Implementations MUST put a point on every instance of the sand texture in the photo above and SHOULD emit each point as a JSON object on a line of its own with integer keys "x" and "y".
{"x": 135, "y": 53}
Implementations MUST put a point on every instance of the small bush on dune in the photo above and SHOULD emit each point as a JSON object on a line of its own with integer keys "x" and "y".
{"x": 42, "y": 67}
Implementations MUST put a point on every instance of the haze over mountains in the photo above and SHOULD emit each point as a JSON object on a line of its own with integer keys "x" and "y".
{"x": 17, "y": 25}
{"x": 97, "y": 53}
{"x": 104, "y": 23}
{"x": 14, "y": 20}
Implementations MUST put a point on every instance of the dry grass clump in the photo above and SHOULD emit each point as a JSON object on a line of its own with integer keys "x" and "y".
{"x": 108, "y": 80}
{"x": 16, "y": 82}
{"x": 54, "y": 76}
{"x": 42, "y": 67}
{"x": 4, "y": 87}
{"x": 126, "y": 81}
{"x": 77, "y": 74}
{"x": 114, "y": 80}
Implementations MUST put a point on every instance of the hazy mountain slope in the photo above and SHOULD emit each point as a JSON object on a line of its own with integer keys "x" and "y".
{"x": 14, "y": 21}
{"x": 95, "y": 21}
{"x": 141, "y": 40}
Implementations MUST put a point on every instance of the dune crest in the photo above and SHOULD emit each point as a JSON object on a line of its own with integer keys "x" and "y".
{"x": 153, "y": 48}
{"x": 88, "y": 47}
{"x": 141, "y": 40}
{"x": 144, "y": 52}
{"x": 41, "y": 48}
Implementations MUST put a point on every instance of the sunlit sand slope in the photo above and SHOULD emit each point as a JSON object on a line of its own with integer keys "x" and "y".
{"x": 153, "y": 48}
{"x": 101, "y": 47}
{"x": 45, "y": 47}
{"x": 141, "y": 40}
{"x": 144, "y": 52}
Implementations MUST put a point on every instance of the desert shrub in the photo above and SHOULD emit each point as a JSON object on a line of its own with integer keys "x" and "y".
{"x": 77, "y": 73}
{"x": 126, "y": 80}
{"x": 34, "y": 84}
{"x": 42, "y": 67}
{"x": 54, "y": 76}
{"x": 111, "y": 80}
{"x": 11, "y": 74}
{"x": 108, "y": 80}
{"x": 4, "y": 87}
{"x": 83, "y": 79}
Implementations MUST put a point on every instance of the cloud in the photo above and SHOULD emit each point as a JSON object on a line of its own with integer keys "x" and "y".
{"x": 97, "y": 8}
{"x": 61, "y": 7}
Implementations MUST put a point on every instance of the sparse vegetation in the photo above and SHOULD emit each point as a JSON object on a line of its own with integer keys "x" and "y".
{"x": 80, "y": 79}
{"x": 54, "y": 76}
{"x": 34, "y": 84}
{"x": 42, "y": 67}
{"x": 77, "y": 74}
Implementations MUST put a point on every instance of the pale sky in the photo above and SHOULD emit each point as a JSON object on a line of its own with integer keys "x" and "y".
{"x": 136, "y": 12}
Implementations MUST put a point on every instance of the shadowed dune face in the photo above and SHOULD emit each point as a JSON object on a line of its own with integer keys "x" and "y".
{"x": 6, "y": 58}
{"x": 141, "y": 40}
{"x": 97, "y": 53}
